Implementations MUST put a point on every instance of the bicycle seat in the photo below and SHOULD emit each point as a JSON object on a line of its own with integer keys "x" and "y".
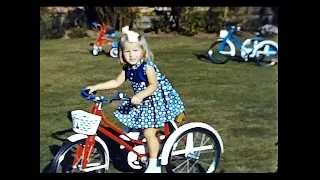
{"x": 181, "y": 117}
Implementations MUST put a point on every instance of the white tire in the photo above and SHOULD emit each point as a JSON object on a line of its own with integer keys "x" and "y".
{"x": 114, "y": 52}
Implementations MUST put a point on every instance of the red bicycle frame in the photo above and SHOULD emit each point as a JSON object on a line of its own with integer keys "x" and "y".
{"x": 97, "y": 110}
{"x": 102, "y": 38}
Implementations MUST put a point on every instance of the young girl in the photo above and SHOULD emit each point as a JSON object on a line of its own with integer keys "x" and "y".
{"x": 155, "y": 101}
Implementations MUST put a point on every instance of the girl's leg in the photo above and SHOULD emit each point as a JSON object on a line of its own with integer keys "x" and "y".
{"x": 152, "y": 141}
{"x": 153, "y": 147}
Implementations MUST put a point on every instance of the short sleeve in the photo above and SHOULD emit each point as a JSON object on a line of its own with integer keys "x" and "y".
{"x": 150, "y": 63}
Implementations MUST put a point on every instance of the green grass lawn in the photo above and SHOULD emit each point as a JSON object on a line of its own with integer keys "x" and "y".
{"x": 240, "y": 100}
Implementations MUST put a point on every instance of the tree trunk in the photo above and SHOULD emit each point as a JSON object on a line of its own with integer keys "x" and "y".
{"x": 115, "y": 17}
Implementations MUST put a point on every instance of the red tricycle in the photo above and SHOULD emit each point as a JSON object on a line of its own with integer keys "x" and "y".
{"x": 106, "y": 34}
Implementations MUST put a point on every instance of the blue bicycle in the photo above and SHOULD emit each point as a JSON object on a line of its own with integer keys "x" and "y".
{"x": 264, "y": 52}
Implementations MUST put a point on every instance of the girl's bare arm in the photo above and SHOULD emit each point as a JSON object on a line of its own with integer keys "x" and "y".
{"x": 111, "y": 84}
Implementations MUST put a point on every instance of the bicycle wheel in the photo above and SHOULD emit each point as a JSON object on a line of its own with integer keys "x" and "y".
{"x": 114, "y": 52}
{"x": 251, "y": 43}
{"x": 64, "y": 160}
{"x": 219, "y": 57}
{"x": 189, "y": 147}
{"x": 267, "y": 55}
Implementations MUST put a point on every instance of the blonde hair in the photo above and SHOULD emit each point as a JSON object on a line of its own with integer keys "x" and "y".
{"x": 148, "y": 55}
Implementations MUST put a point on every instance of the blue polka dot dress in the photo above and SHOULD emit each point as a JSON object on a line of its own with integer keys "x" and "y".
{"x": 162, "y": 106}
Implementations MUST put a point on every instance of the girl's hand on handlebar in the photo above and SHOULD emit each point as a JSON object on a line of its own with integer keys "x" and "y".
{"x": 91, "y": 89}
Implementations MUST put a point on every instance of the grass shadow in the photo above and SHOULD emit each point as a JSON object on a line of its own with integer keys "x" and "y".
{"x": 118, "y": 157}
{"x": 202, "y": 57}
{"x": 205, "y": 58}
{"x": 236, "y": 58}
{"x": 54, "y": 150}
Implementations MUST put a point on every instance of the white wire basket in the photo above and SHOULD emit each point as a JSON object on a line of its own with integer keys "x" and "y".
{"x": 84, "y": 122}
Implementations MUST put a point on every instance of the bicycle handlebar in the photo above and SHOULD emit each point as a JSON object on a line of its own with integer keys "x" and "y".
{"x": 233, "y": 26}
{"x": 120, "y": 96}
{"x": 95, "y": 24}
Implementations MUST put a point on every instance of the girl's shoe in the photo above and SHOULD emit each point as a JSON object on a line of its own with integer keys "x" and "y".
{"x": 153, "y": 170}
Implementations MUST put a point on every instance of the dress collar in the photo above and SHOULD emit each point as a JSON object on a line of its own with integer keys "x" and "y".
{"x": 135, "y": 66}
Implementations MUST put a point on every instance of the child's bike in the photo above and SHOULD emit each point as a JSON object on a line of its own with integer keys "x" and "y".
{"x": 106, "y": 34}
{"x": 264, "y": 52}
{"x": 191, "y": 148}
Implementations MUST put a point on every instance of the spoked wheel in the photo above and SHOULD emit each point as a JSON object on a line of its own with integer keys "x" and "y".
{"x": 267, "y": 55}
{"x": 217, "y": 56}
{"x": 250, "y": 44}
{"x": 70, "y": 157}
{"x": 196, "y": 150}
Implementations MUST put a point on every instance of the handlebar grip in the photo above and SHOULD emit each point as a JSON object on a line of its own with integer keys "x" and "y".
{"x": 85, "y": 94}
{"x": 93, "y": 92}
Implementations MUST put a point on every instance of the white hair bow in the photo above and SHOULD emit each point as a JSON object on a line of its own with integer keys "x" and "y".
{"x": 132, "y": 36}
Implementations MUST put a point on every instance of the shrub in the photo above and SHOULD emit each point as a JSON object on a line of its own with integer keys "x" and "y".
{"x": 50, "y": 26}
{"x": 78, "y": 33}
{"x": 192, "y": 21}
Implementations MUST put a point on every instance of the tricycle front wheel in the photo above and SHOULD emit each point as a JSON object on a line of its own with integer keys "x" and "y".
{"x": 95, "y": 50}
